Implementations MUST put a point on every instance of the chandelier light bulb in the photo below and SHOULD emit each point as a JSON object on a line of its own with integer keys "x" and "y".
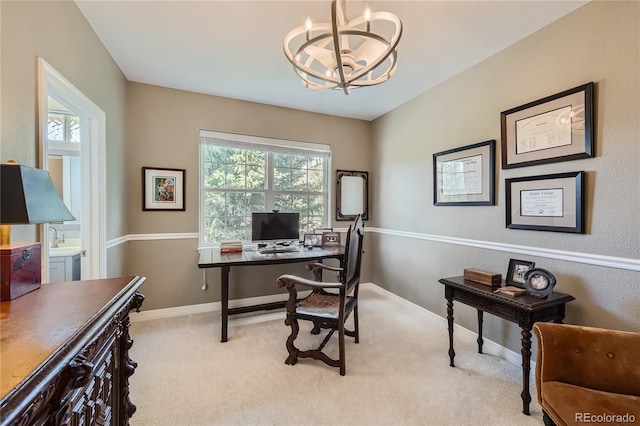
{"x": 344, "y": 54}
{"x": 367, "y": 18}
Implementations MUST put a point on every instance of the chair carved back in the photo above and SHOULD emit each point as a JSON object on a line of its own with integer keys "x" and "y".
{"x": 353, "y": 255}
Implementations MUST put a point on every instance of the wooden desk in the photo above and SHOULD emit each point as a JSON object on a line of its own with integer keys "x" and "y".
{"x": 523, "y": 310}
{"x": 65, "y": 353}
{"x": 212, "y": 258}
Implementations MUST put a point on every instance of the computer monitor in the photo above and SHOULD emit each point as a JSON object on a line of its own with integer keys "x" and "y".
{"x": 271, "y": 226}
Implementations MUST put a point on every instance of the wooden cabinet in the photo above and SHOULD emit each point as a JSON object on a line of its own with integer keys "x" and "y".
{"x": 64, "y": 268}
{"x": 65, "y": 354}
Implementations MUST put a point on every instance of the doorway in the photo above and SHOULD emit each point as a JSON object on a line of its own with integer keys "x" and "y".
{"x": 77, "y": 164}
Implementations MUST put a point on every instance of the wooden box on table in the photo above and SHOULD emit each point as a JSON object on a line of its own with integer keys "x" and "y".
{"x": 20, "y": 269}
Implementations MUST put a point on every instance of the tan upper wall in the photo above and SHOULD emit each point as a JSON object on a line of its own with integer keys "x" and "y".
{"x": 599, "y": 42}
{"x": 591, "y": 44}
{"x": 163, "y": 131}
{"x": 57, "y": 32}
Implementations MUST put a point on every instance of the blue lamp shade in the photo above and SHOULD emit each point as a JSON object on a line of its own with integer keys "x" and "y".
{"x": 29, "y": 196}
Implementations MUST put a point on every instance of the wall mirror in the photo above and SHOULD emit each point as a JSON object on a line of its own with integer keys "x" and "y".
{"x": 352, "y": 194}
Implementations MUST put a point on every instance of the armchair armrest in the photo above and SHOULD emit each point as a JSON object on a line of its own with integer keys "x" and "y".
{"x": 290, "y": 282}
{"x": 593, "y": 358}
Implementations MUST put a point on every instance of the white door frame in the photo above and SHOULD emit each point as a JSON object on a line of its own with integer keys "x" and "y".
{"x": 93, "y": 167}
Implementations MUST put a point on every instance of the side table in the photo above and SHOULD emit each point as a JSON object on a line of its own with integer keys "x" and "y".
{"x": 523, "y": 310}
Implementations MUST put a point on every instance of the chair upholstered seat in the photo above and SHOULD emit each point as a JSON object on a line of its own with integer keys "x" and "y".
{"x": 587, "y": 371}
{"x": 565, "y": 401}
{"x": 322, "y": 305}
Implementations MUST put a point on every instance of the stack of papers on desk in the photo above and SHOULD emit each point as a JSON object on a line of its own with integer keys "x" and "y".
{"x": 234, "y": 246}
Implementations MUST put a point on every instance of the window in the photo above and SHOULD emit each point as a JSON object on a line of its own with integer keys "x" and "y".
{"x": 63, "y": 127}
{"x": 240, "y": 174}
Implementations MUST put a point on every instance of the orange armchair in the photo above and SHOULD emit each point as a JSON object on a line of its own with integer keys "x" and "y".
{"x": 587, "y": 375}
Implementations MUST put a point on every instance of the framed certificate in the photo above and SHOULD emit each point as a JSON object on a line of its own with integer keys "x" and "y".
{"x": 465, "y": 176}
{"x": 546, "y": 203}
{"x": 556, "y": 128}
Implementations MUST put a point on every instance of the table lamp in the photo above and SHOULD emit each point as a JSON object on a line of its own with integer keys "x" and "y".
{"x": 27, "y": 196}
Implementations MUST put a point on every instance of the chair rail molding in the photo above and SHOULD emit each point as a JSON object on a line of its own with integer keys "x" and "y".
{"x": 570, "y": 256}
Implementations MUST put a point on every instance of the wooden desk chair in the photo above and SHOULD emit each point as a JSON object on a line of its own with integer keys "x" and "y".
{"x": 329, "y": 304}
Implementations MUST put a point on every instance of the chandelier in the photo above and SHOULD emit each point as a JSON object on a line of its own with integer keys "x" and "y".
{"x": 345, "y": 54}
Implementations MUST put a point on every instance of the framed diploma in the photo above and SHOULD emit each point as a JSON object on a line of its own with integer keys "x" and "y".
{"x": 465, "y": 176}
{"x": 556, "y": 128}
{"x": 546, "y": 203}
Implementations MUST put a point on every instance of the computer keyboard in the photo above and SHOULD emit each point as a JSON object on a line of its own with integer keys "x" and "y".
{"x": 278, "y": 249}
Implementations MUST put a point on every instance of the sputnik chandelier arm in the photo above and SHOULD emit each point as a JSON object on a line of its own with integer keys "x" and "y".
{"x": 344, "y": 54}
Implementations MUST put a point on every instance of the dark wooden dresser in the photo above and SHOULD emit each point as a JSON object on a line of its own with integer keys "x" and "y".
{"x": 64, "y": 353}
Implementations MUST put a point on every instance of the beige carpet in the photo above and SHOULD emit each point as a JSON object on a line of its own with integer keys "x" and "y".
{"x": 398, "y": 374}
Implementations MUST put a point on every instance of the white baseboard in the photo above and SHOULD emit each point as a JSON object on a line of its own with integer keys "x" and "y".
{"x": 490, "y": 347}
{"x": 213, "y": 307}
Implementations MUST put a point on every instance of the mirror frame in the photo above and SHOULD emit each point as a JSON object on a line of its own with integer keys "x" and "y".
{"x": 340, "y": 195}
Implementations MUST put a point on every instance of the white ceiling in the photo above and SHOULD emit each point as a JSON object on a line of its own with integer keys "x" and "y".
{"x": 234, "y": 48}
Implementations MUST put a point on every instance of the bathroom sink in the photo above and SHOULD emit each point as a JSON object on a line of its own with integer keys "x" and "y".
{"x": 64, "y": 251}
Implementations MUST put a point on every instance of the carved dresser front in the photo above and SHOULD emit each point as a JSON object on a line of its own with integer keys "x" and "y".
{"x": 65, "y": 353}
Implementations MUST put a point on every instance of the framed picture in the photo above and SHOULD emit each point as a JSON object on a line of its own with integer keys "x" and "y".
{"x": 330, "y": 239}
{"x": 465, "y": 176}
{"x": 163, "y": 189}
{"x": 516, "y": 271}
{"x": 546, "y": 203}
{"x": 313, "y": 240}
{"x": 556, "y": 128}
{"x": 539, "y": 282}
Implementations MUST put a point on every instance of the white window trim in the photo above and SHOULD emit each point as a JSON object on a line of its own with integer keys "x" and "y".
{"x": 237, "y": 139}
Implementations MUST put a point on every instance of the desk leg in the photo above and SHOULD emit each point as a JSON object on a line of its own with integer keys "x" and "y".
{"x": 452, "y": 353}
{"x": 480, "y": 340}
{"x": 224, "y": 300}
{"x": 526, "y": 369}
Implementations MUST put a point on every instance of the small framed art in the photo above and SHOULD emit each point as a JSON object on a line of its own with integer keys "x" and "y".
{"x": 313, "y": 240}
{"x": 330, "y": 239}
{"x": 516, "y": 271}
{"x": 163, "y": 189}
{"x": 556, "y": 128}
{"x": 465, "y": 176}
{"x": 546, "y": 203}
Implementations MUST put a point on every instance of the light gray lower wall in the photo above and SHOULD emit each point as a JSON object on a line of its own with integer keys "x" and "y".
{"x": 599, "y": 42}
{"x": 163, "y": 126}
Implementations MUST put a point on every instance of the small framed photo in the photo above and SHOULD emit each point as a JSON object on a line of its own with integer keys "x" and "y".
{"x": 546, "y": 203}
{"x": 539, "y": 282}
{"x": 313, "y": 240}
{"x": 556, "y": 128}
{"x": 330, "y": 239}
{"x": 163, "y": 189}
{"x": 517, "y": 270}
{"x": 465, "y": 176}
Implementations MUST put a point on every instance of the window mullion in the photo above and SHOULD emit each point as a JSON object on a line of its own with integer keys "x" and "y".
{"x": 269, "y": 195}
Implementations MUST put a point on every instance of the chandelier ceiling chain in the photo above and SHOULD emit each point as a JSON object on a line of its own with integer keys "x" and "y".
{"x": 345, "y": 54}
